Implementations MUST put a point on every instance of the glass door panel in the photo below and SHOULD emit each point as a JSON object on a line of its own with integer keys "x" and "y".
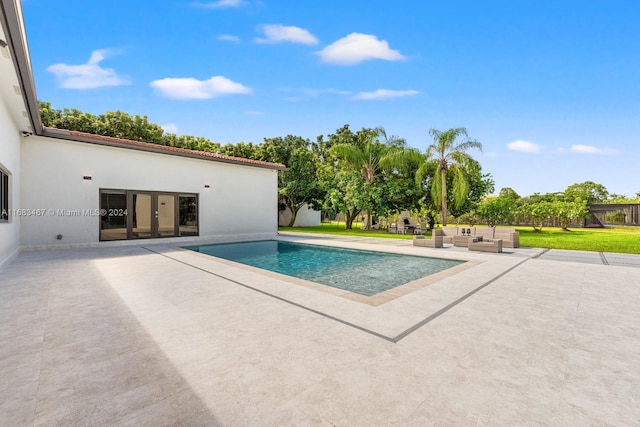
{"x": 166, "y": 215}
{"x": 188, "y": 215}
{"x": 141, "y": 227}
{"x": 113, "y": 215}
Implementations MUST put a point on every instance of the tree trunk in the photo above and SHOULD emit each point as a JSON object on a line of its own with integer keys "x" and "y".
{"x": 443, "y": 177}
{"x": 293, "y": 217}
{"x": 349, "y": 217}
{"x": 368, "y": 224}
{"x": 294, "y": 208}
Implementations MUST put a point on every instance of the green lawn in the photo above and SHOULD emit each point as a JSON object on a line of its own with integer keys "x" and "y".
{"x": 619, "y": 239}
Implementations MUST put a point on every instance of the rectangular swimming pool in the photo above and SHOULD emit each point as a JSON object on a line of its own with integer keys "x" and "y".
{"x": 363, "y": 272}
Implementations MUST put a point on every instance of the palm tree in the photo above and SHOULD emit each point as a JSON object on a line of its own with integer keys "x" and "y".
{"x": 449, "y": 156}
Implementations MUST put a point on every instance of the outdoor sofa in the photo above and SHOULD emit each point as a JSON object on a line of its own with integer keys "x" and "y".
{"x": 509, "y": 236}
{"x": 493, "y": 245}
{"x": 436, "y": 240}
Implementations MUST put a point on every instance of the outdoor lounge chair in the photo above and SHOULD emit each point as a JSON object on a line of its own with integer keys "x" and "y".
{"x": 448, "y": 233}
{"x": 436, "y": 240}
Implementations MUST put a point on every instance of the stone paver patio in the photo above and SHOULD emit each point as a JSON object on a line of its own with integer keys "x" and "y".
{"x": 153, "y": 335}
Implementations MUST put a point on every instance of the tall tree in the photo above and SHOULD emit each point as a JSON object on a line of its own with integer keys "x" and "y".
{"x": 587, "y": 191}
{"x": 494, "y": 210}
{"x": 537, "y": 213}
{"x": 344, "y": 187}
{"x": 300, "y": 183}
{"x": 366, "y": 153}
{"x": 566, "y": 212}
{"x": 345, "y": 193}
{"x": 119, "y": 124}
{"x": 450, "y": 157}
{"x": 509, "y": 194}
{"x": 362, "y": 152}
{"x": 479, "y": 185}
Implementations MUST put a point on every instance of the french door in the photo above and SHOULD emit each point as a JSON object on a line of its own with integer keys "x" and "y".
{"x": 135, "y": 214}
{"x": 153, "y": 215}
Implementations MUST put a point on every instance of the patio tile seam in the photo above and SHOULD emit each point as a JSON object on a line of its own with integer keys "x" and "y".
{"x": 448, "y": 307}
{"x": 393, "y": 339}
{"x": 539, "y": 254}
{"x": 604, "y": 259}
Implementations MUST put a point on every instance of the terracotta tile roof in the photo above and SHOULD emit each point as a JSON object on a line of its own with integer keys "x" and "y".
{"x": 157, "y": 148}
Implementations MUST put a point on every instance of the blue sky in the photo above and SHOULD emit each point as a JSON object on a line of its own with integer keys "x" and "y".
{"x": 551, "y": 89}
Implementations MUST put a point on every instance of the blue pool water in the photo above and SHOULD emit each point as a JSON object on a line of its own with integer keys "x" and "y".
{"x": 363, "y": 272}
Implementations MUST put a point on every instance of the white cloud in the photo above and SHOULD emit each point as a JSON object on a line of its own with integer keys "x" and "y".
{"x": 170, "y": 128}
{"x": 228, "y": 38}
{"x": 524, "y": 146}
{"x": 190, "y": 88}
{"x": 385, "y": 94}
{"x": 585, "y": 149}
{"x": 314, "y": 93}
{"x": 298, "y": 94}
{"x": 88, "y": 76}
{"x": 254, "y": 113}
{"x": 219, "y": 4}
{"x": 356, "y": 48}
{"x": 278, "y": 33}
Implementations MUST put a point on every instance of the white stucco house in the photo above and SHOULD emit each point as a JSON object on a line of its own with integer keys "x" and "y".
{"x": 70, "y": 188}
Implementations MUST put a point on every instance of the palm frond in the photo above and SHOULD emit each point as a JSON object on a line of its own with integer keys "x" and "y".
{"x": 350, "y": 153}
{"x": 468, "y": 145}
{"x": 460, "y": 185}
{"x": 436, "y": 186}
{"x": 400, "y": 158}
{"x": 435, "y": 133}
{"x": 460, "y": 158}
{"x": 427, "y": 168}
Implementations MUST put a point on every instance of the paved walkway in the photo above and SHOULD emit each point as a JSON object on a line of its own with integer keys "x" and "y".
{"x": 605, "y": 258}
{"x": 156, "y": 336}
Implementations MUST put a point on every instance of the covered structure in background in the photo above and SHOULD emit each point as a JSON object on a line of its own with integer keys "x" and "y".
{"x": 613, "y": 214}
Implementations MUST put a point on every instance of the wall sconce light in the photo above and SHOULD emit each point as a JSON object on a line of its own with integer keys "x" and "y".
{"x": 87, "y": 177}
{"x": 207, "y": 186}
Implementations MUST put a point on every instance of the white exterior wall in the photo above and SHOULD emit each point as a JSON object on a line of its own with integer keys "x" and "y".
{"x": 306, "y": 217}
{"x": 10, "y": 162}
{"x": 241, "y": 201}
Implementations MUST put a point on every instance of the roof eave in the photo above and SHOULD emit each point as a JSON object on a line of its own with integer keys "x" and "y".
{"x": 17, "y": 43}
